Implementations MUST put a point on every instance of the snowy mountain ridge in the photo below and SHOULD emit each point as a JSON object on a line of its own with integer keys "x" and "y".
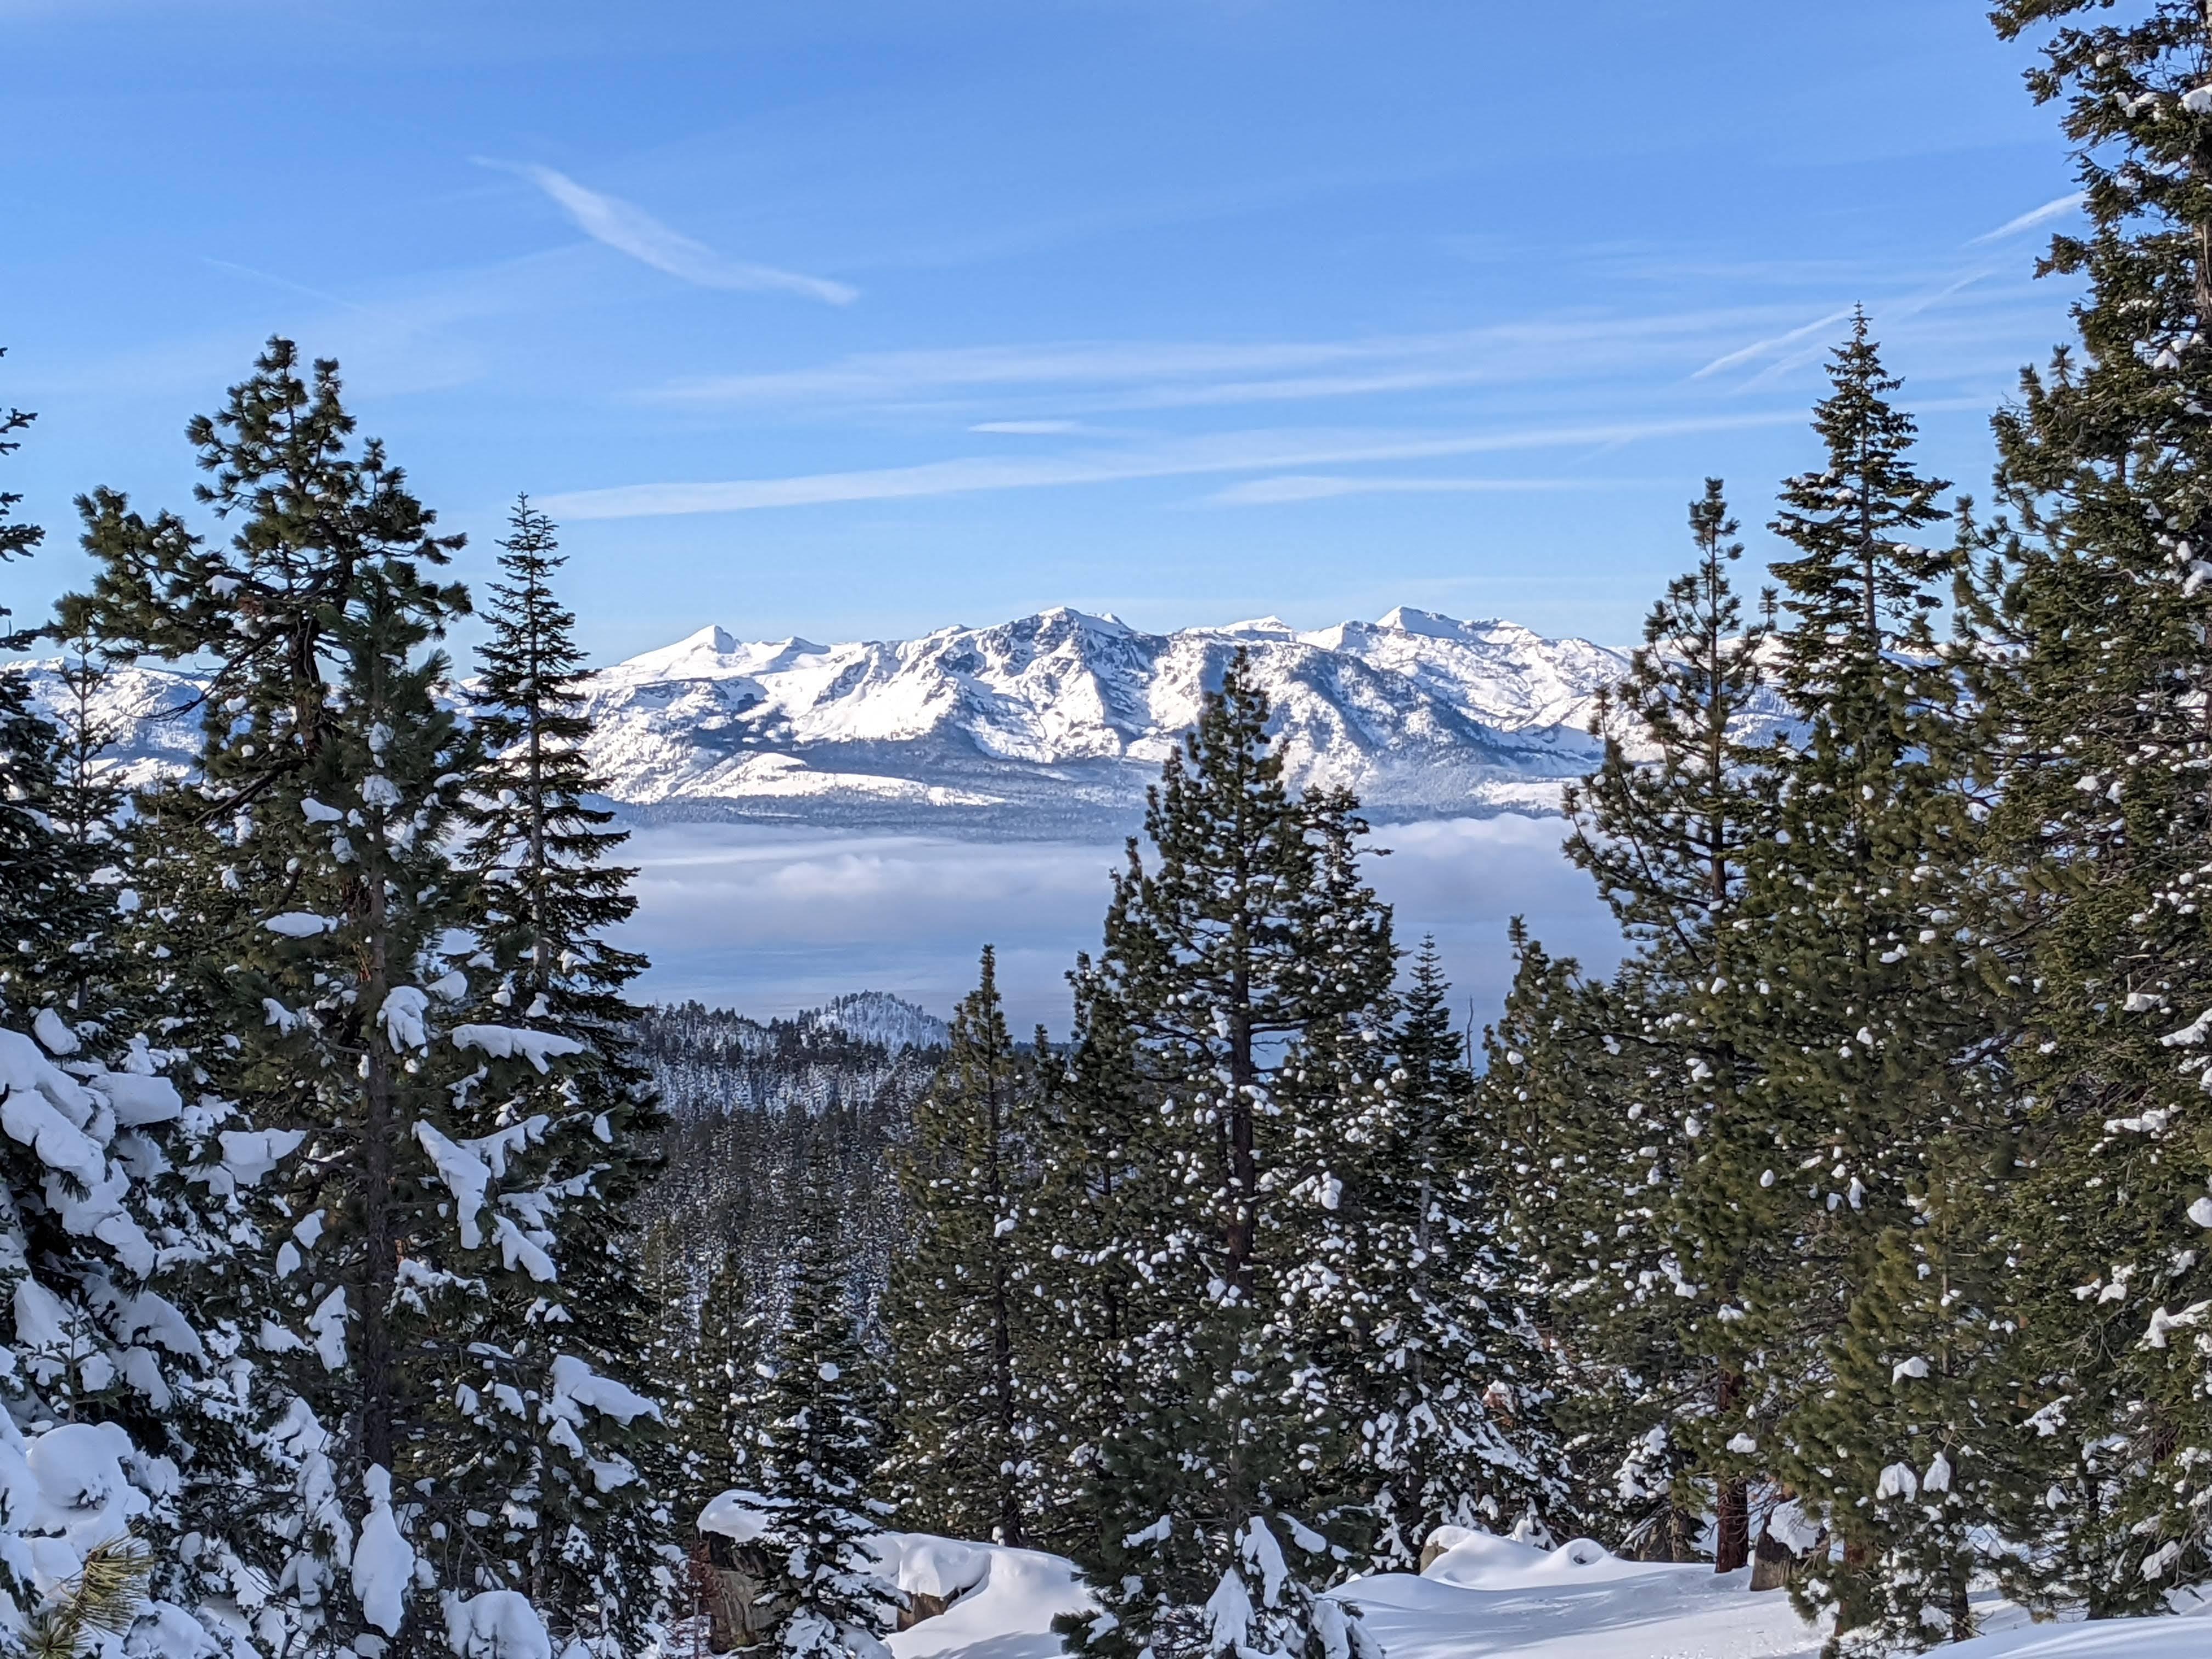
{"x": 1050, "y": 723}
{"x": 1061, "y": 719}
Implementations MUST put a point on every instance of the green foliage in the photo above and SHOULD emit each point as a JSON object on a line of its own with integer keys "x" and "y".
{"x": 1235, "y": 1030}
{"x": 960, "y": 1314}
{"x": 450, "y": 1267}
{"x": 1668, "y": 826}
{"x": 2090, "y": 614}
{"x": 819, "y": 1441}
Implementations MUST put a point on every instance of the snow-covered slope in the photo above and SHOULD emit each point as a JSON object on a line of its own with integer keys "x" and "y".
{"x": 1054, "y": 721}
{"x": 1063, "y": 717}
{"x": 879, "y": 1016}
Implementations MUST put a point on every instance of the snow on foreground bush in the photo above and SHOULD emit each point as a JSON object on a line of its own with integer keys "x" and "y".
{"x": 100, "y": 1546}
{"x": 92, "y": 1339}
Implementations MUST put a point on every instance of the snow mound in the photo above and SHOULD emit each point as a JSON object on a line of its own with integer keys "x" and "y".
{"x": 1486, "y": 1597}
{"x": 1490, "y": 1595}
{"x": 1484, "y": 1561}
{"x": 1004, "y": 1601}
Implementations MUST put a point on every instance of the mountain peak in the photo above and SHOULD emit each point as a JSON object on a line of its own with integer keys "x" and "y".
{"x": 1433, "y": 624}
{"x": 713, "y": 637}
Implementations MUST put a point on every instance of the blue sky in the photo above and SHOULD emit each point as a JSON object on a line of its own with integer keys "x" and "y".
{"x": 858, "y": 319}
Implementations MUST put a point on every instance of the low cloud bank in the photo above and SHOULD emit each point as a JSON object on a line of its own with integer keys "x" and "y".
{"x": 771, "y": 921}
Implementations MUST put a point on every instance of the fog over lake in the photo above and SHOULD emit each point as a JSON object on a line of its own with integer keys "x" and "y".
{"x": 770, "y": 920}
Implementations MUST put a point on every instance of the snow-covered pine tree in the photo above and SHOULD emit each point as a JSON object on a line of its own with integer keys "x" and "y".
{"x": 1451, "y": 1376}
{"x": 720, "y": 1381}
{"x": 2092, "y": 612}
{"x": 127, "y": 1251}
{"x": 819, "y": 1443}
{"x": 49, "y": 911}
{"x": 1859, "y": 1000}
{"x": 1665, "y": 826}
{"x": 1555, "y": 1118}
{"x": 1250, "y": 971}
{"x": 1089, "y": 1296}
{"x": 332, "y": 988}
{"x": 120, "y": 1396}
{"x": 1918, "y": 1394}
{"x": 546, "y": 896}
{"x": 87, "y": 808}
{"x": 959, "y": 1313}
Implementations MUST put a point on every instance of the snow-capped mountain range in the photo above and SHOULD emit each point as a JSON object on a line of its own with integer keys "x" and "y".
{"x": 1053, "y": 723}
{"x": 1062, "y": 719}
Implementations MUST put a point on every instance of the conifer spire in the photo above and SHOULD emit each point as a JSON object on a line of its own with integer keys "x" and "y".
{"x": 959, "y": 1311}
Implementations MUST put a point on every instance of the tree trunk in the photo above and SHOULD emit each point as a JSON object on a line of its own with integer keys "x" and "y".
{"x": 1732, "y": 1526}
{"x": 380, "y": 1268}
{"x": 1731, "y": 1498}
{"x": 1962, "y": 1612}
{"x": 1771, "y": 1562}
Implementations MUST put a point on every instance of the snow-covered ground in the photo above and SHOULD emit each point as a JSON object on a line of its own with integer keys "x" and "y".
{"x": 1490, "y": 1597}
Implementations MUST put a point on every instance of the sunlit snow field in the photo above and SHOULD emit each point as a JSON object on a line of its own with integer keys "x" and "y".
{"x": 771, "y": 921}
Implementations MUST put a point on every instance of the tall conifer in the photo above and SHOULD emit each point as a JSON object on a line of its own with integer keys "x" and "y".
{"x": 959, "y": 1312}
{"x": 1860, "y": 993}
{"x": 1667, "y": 825}
{"x": 2092, "y": 612}
{"x": 331, "y": 984}
{"x": 48, "y": 912}
{"x": 1250, "y": 970}
{"x": 819, "y": 1442}
{"x": 546, "y": 896}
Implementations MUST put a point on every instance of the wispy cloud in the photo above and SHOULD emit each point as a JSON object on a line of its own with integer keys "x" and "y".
{"x": 1315, "y": 487}
{"x": 1027, "y": 428}
{"x": 2028, "y": 220}
{"x": 1759, "y": 349}
{"x": 284, "y": 282}
{"x": 1127, "y": 376}
{"x": 1220, "y": 453}
{"x": 630, "y": 229}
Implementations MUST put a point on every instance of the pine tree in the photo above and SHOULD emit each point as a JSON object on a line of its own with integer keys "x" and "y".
{"x": 2091, "y": 614}
{"x": 87, "y": 808}
{"x": 48, "y": 910}
{"x": 1451, "y": 1390}
{"x": 1564, "y": 1150}
{"x": 546, "y": 898}
{"x": 127, "y": 1251}
{"x": 1665, "y": 826}
{"x": 1088, "y": 1298}
{"x": 958, "y": 1313}
{"x": 1246, "y": 978}
{"x": 723, "y": 1379}
{"x": 1861, "y": 997}
{"x": 1917, "y": 1393}
{"x": 819, "y": 1446}
{"x": 307, "y": 871}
